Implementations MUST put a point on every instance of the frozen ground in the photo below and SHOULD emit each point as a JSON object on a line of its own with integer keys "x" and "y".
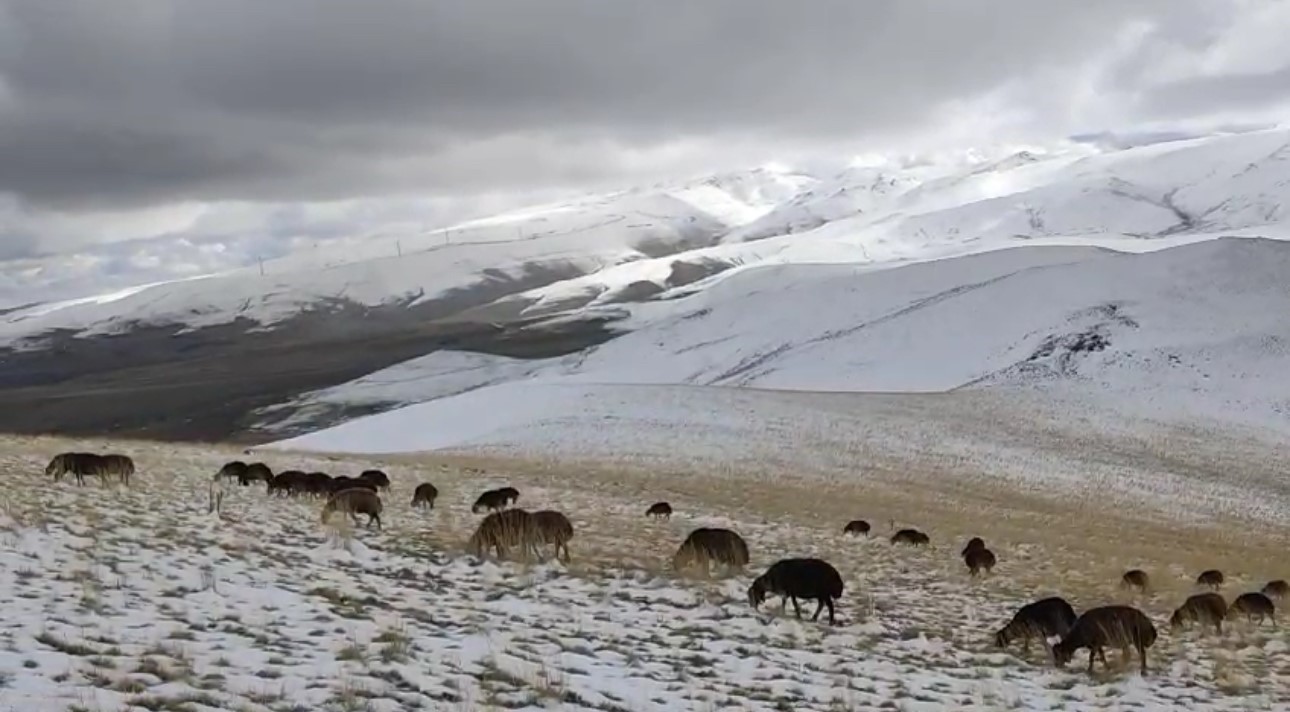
{"x": 139, "y": 599}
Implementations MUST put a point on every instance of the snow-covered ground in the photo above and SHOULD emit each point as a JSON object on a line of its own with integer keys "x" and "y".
{"x": 140, "y": 599}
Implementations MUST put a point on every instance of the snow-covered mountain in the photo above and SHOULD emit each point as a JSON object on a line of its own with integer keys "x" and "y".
{"x": 1190, "y": 335}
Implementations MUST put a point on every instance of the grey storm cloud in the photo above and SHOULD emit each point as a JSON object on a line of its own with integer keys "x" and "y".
{"x": 142, "y": 102}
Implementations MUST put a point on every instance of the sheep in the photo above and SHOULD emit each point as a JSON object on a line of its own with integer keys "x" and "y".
{"x": 659, "y": 509}
{"x": 79, "y": 464}
{"x": 1107, "y": 625}
{"x": 975, "y": 542}
{"x": 912, "y": 537}
{"x": 255, "y": 472}
{"x": 491, "y": 500}
{"x": 424, "y": 495}
{"x": 1203, "y": 608}
{"x": 284, "y": 483}
{"x": 1135, "y": 578}
{"x": 376, "y": 477}
{"x": 1212, "y": 578}
{"x": 554, "y": 528}
{"x": 120, "y": 466}
{"x": 1043, "y": 619}
{"x": 856, "y": 527}
{"x": 1278, "y": 589}
{"x": 232, "y": 470}
{"x": 82, "y": 464}
{"x": 1254, "y": 606}
{"x": 809, "y": 579}
{"x": 355, "y": 501}
{"x": 978, "y": 559}
{"x": 317, "y": 483}
{"x": 505, "y": 530}
{"x": 704, "y": 545}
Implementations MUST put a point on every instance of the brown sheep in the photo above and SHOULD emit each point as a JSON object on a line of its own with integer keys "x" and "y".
{"x": 1098, "y": 628}
{"x": 1044, "y": 618}
{"x": 317, "y": 484}
{"x": 1136, "y": 578}
{"x": 809, "y": 579}
{"x": 978, "y": 559}
{"x": 355, "y": 501}
{"x": 1255, "y": 607}
{"x": 1203, "y": 608}
{"x": 285, "y": 483}
{"x": 424, "y": 495}
{"x": 119, "y": 466}
{"x": 1212, "y": 578}
{"x": 705, "y": 545}
{"x": 342, "y": 483}
{"x": 856, "y": 527}
{"x": 554, "y": 528}
{"x": 1278, "y": 589}
{"x": 913, "y": 537}
{"x": 975, "y": 542}
{"x": 659, "y": 509}
{"x": 503, "y": 531}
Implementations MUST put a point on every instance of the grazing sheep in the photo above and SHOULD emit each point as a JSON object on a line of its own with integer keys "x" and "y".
{"x": 809, "y": 579}
{"x": 659, "y": 509}
{"x": 705, "y": 545}
{"x": 317, "y": 483}
{"x": 492, "y": 500}
{"x": 510, "y": 495}
{"x": 83, "y": 464}
{"x": 554, "y": 528}
{"x": 1098, "y": 628}
{"x": 1203, "y": 608}
{"x": 856, "y": 527}
{"x": 974, "y": 543}
{"x": 913, "y": 537}
{"x": 118, "y": 466}
{"x": 1136, "y": 578}
{"x": 424, "y": 495}
{"x": 978, "y": 559}
{"x": 1212, "y": 578}
{"x": 505, "y": 530}
{"x": 1255, "y": 607}
{"x": 255, "y": 472}
{"x": 376, "y": 477}
{"x": 355, "y": 501}
{"x": 1278, "y": 589}
{"x": 232, "y": 471}
{"x": 285, "y": 483}
{"x": 1043, "y": 619}
{"x": 78, "y": 464}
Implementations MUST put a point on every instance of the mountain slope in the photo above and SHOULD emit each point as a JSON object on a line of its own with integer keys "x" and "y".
{"x": 1190, "y": 334}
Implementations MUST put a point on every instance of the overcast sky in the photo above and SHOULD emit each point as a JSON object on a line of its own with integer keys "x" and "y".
{"x": 239, "y": 126}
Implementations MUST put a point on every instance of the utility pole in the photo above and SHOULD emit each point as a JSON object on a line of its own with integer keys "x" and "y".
{"x": 261, "y": 259}
{"x": 398, "y": 245}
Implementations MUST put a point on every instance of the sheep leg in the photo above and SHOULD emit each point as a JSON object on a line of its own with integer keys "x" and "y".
{"x": 1142, "y": 653}
{"x": 1092, "y": 654}
{"x": 818, "y": 609}
{"x": 796, "y": 608}
{"x": 783, "y": 605}
{"x": 829, "y": 603}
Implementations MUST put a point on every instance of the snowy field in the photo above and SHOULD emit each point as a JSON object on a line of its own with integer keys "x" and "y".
{"x": 139, "y": 599}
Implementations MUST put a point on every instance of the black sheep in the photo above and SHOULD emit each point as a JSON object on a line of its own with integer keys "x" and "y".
{"x": 809, "y": 579}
